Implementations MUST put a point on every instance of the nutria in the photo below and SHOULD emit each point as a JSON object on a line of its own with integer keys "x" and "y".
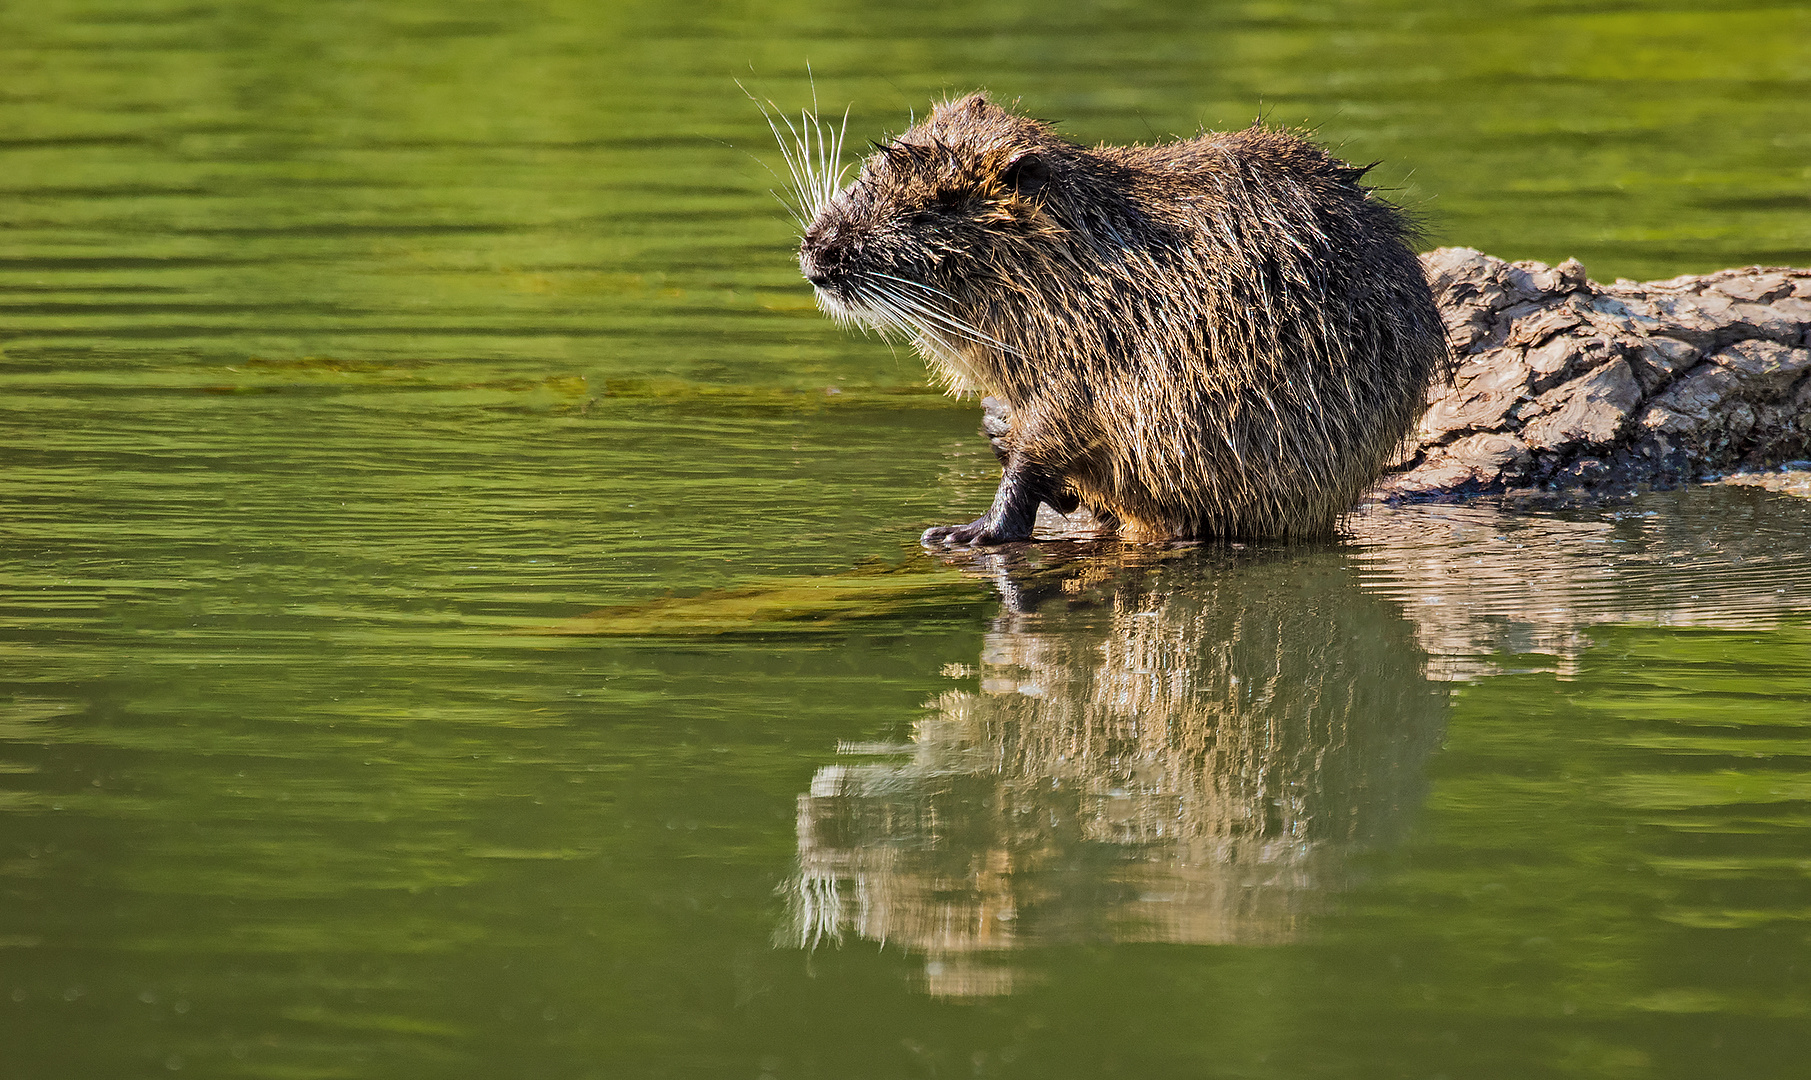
{"x": 1221, "y": 336}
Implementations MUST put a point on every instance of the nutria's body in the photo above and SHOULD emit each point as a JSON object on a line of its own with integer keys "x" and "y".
{"x": 1223, "y": 336}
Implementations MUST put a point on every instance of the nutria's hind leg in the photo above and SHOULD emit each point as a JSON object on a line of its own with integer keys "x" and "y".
{"x": 1015, "y": 509}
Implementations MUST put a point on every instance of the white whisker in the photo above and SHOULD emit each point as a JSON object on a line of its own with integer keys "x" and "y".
{"x": 944, "y": 318}
{"x": 813, "y": 156}
{"x": 931, "y": 289}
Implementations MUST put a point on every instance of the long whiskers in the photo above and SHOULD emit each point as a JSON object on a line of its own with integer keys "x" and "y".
{"x": 930, "y": 290}
{"x": 813, "y": 151}
{"x": 886, "y": 305}
{"x": 921, "y": 313}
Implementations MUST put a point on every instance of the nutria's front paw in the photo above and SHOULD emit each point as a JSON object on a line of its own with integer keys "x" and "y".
{"x": 950, "y": 535}
{"x": 974, "y": 534}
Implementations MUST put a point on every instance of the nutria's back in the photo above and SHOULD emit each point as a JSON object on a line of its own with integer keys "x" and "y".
{"x": 1223, "y": 336}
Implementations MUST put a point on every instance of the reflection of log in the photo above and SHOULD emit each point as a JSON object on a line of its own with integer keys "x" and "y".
{"x": 1180, "y": 752}
{"x": 1566, "y": 383}
{"x": 1482, "y": 580}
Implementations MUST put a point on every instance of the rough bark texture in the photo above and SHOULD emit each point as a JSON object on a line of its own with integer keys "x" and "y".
{"x": 1564, "y": 383}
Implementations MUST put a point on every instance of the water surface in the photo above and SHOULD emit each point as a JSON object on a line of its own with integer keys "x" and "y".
{"x": 460, "y": 612}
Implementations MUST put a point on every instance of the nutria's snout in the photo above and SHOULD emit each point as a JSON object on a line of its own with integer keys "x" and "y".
{"x": 812, "y": 265}
{"x": 824, "y": 252}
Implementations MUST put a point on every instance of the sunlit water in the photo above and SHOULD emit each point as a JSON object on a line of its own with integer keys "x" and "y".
{"x": 460, "y": 613}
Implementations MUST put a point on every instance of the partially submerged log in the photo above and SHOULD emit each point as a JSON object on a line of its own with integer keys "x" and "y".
{"x": 1565, "y": 383}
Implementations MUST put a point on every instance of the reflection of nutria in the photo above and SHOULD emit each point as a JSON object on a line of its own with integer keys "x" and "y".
{"x": 1225, "y": 336}
{"x": 1150, "y": 746}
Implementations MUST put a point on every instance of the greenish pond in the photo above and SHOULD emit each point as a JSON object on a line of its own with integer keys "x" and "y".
{"x": 460, "y": 612}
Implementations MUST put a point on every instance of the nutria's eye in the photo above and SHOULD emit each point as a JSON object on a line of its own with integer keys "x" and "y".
{"x": 1027, "y": 174}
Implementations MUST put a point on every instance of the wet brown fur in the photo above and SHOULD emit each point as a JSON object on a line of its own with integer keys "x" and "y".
{"x": 1222, "y": 336}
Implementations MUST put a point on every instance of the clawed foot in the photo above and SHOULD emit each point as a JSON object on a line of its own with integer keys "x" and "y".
{"x": 1024, "y": 483}
{"x": 974, "y": 534}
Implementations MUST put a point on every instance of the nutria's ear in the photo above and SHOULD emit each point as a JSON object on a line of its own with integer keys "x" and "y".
{"x": 1026, "y": 174}
{"x": 976, "y": 104}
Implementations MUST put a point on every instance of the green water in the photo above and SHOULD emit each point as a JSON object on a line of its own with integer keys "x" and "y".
{"x": 460, "y": 613}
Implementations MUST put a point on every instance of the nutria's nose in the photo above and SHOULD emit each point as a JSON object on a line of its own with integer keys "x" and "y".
{"x": 822, "y": 251}
{"x": 815, "y": 263}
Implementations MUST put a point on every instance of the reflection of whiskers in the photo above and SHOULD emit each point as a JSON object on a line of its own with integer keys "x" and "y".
{"x": 816, "y": 909}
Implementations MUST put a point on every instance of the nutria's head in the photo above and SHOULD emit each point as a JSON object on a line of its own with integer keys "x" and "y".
{"x": 942, "y": 223}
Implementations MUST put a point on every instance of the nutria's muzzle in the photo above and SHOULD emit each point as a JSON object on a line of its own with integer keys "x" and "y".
{"x": 814, "y": 270}
{"x": 823, "y": 251}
